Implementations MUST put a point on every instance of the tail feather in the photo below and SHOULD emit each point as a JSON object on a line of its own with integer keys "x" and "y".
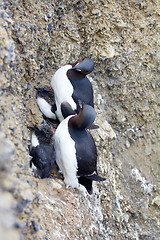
{"x": 95, "y": 177}
{"x": 87, "y": 183}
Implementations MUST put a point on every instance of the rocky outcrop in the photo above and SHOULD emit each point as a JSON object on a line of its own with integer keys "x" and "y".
{"x": 37, "y": 37}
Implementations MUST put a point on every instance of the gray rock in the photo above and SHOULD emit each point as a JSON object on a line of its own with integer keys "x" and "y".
{"x": 7, "y": 149}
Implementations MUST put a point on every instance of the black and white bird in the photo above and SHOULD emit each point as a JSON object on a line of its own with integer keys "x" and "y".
{"x": 69, "y": 84}
{"x": 46, "y": 102}
{"x": 76, "y": 153}
{"x": 42, "y": 150}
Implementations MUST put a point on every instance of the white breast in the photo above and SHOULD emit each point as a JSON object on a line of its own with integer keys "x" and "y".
{"x": 34, "y": 140}
{"x": 63, "y": 89}
{"x": 66, "y": 153}
{"x": 45, "y": 108}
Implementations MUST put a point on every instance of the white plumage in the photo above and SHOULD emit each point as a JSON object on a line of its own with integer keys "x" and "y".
{"x": 66, "y": 155}
{"x": 34, "y": 143}
{"x": 45, "y": 108}
{"x": 34, "y": 140}
{"x": 63, "y": 89}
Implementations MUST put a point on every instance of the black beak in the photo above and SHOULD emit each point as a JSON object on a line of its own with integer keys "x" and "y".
{"x": 73, "y": 68}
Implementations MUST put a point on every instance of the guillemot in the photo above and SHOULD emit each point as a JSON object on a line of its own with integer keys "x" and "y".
{"x": 46, "y": 102}
{"x": 42, "y": 150}
{"x": 70, "y": 84}
{"x": 76, "y": 153}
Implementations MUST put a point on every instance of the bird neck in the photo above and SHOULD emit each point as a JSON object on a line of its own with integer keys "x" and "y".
{"x": 75, "y": 75}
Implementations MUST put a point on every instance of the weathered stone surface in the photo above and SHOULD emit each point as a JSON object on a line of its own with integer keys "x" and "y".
{"x": 37, "y": 37}
{"x": 7, "y": 149}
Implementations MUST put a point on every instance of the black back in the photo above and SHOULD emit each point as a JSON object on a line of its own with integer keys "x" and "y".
{"x": 82, "y": 87}
{"x": 86, "y": 151}
{"x": 43, "y": 157}
{"x": 44, "y": 134}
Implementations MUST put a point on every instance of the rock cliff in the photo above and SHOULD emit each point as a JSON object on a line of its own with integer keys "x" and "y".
{"x": 36, "y": 38}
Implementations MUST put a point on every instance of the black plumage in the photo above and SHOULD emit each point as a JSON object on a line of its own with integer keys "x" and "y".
{"x": 82, "y": 87}
{"x": 43, "y": 153}
{"x": 86, "y": 151}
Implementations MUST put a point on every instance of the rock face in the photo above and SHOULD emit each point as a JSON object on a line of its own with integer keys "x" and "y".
{"x": 36, "y": 38}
